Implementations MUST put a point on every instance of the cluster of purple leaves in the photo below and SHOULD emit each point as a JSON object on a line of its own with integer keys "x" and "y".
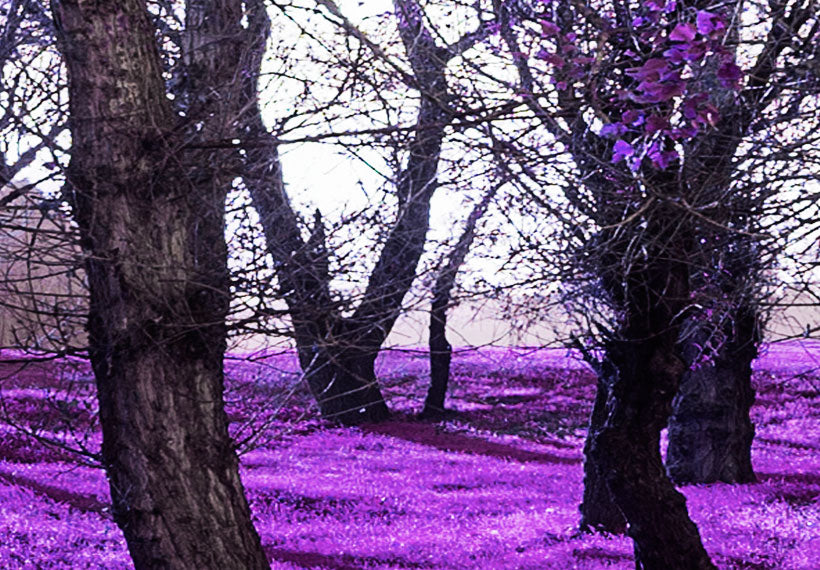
{"x": 662, "y": 101}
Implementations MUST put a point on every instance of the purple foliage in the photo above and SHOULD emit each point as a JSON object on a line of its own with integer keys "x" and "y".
{"x": 665, "y": 78}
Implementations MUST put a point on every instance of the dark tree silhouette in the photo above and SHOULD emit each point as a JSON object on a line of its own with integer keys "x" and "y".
{"x": 662, "y": 210}
{"x": 440, "y": 349}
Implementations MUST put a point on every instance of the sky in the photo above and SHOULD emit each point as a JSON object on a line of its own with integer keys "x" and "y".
{"x": 324, "y": 175}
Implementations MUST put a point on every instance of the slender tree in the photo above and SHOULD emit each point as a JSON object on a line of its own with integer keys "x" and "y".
{"x": 149, "y": 206}
{"x": 440, "y": 349}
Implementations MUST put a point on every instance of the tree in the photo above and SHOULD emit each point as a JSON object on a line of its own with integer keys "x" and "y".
{"x": 149, "y": 205}
{"x": 649, "y": 100}
{"x": 710, "y": 431}
{"x": 337, "y": 352}
{"x": 40, "y": 292}
{"x": 440, "y": 349}
{"x": 651, "y": 150}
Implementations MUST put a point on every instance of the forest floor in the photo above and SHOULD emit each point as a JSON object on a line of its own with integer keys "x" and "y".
{"x": 495, "y": 485}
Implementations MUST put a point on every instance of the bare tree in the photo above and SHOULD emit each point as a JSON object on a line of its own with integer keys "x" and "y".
{"x": 149, "y": 205}
{"x": 440, "y": 349}
{"x": 337, "y": 352}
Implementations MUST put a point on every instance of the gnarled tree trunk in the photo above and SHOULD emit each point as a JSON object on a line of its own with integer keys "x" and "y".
{"x": 151, "y": 221}
{"x": 641, "y": 375}
{"x": 599, "y": 513}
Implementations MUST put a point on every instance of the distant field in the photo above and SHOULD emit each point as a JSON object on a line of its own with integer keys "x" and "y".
{"x": 495, "y": 486}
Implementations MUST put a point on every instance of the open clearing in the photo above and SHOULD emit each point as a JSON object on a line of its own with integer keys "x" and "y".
{"x": 495, "y": 485}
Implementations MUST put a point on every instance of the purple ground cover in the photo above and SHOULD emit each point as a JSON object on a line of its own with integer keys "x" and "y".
{"x": 495, "y": 485}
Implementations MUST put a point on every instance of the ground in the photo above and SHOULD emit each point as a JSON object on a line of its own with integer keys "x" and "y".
{"x": 496, "y": 484}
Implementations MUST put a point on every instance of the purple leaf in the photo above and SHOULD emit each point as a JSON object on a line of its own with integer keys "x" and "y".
{"x": 690, "y": 106}
{"x": 621, "y": 150}
{"x": 551, "y": 58}
{"x": 651, "y": 70}
{"x": 686, "y": 132}
{"x": 693, "y": 51}
{"x": 612, "y": 129}
{"x": 633, "y": 117}
{"x": 683, "y": 33}
{"x": 709, "y": 22}
{"x": 729, "y": 74}
{"x": 661, "y": 158}
{"x": 655, "y": 5}
{"x": 658, "y": 92}
{"x": 656, "y": 123}
{"x": 549, "y": 29}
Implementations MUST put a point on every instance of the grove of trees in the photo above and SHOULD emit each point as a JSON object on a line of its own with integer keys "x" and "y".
{"x": 665, "y": 150}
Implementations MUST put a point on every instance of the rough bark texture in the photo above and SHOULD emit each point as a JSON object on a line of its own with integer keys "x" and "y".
{"x": 710, "y": 431}
{"x": 641, "y": 373}
{"x": 156, "y": 263}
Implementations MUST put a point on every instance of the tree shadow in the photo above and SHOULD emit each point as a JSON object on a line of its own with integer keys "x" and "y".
{"x": 79, "y": 501}
{"x": 337, "y": 562}
{"x": 431, "y": 436}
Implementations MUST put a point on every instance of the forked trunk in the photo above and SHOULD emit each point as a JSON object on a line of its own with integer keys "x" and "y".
{"x": 344, "y": 384}
{"x": 338, "y": 370}
{"x": 710, "y": 431}
{"x": 640, "y": 373}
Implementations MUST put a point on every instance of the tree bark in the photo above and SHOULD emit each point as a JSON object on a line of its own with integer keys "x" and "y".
{"x": 640, "y": 374}
{"x": 626, "y": 451}
{"x": 441, "y": 353}
{"x": 343, "y": 383}
{"x": 152, "y": 230}
{"x": 599, "y": 513}
{"x": 710, "y": 431}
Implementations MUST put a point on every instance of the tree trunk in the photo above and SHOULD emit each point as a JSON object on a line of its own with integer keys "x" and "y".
{"x": 440, "y": 350}
{"x": 626, "y": 450}
{"x": 343, "y": 383}
{"x": 599, "y": 513}
{"x": 156, "y": 266}
{"x": 640, "y": 374}
{"x": 710, "y": 431}
{"x": 440, "y": 355}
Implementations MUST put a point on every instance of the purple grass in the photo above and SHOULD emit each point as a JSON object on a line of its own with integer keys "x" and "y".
{"x": 496, "y": 485}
